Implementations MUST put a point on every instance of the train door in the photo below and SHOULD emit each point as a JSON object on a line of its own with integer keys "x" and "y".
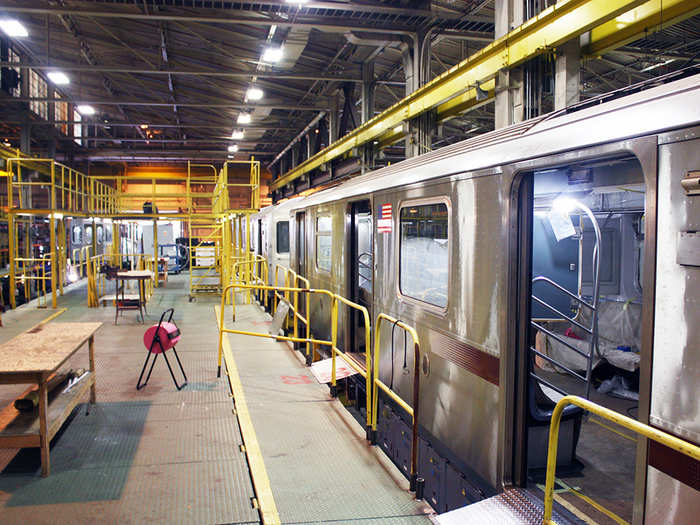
{"x": 581, "y": 243}
{"x": 360, "y": 269}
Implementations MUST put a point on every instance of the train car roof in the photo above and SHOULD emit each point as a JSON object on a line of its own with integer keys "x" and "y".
{"x": 653, "y": 110}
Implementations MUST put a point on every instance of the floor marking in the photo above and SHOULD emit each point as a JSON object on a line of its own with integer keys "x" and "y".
{"x": 49, "y": 318}
{"x": 261, "y": 482}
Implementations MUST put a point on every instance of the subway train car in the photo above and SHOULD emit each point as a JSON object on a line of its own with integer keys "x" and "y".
{"x": 558, "y": 255}
{"x": 80, "y": 233}
{"x": 269, "y": 237}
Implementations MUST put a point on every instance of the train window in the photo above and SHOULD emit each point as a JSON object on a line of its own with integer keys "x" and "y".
{"x": 77, "y": 235}
{"x": 323, "y": 243}
{"x": 424, "y": 256}
{"x": 100, "y": 234}
{"x": 88, "y": 234}
{"x": 108, "y": 233}
{"x": 283, "y": 237}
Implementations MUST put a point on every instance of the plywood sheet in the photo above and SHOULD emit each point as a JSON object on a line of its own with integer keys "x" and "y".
{"x": 44, "y": 348}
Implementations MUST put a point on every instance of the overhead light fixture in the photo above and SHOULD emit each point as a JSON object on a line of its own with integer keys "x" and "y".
{"x": 58, "y": 77}
{"x": 300, "y": 2}
{"x": 272, "y": 54}
{"x": 254, "y": 93}
{"x": 86, "y": 110}
{"x": 244, "y": 118}
{"x": 144, "y": 126}
{"x": 233, "y": 148}
{"x": 230, "y": 156}
{"x": 237, "y": 134}
{"x": 13, "y": 28}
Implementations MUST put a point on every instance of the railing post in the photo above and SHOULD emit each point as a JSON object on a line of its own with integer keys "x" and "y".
{"x": 334, "y": 341}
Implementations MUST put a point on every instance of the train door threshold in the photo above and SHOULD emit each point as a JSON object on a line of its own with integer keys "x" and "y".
{"x": 512, "y": 507}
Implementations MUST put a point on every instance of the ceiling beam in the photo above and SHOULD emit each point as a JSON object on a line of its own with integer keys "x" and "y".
{"x": 156, "y": 125}
{"x": 357, "y": 7}
{"x": 154, "y": 103}
{"x": 237, "y": 19}
{"x": 559, "y": 23}
{"x": 190, "y": 72}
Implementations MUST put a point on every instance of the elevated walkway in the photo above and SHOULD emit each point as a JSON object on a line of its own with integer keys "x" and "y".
{"x": 317, "y": 462}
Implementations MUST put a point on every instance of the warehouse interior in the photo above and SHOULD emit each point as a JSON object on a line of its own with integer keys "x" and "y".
{"x": 139, "y": 138}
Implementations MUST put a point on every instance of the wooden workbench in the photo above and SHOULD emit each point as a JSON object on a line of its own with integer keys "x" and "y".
{"x": 33, "y": 357}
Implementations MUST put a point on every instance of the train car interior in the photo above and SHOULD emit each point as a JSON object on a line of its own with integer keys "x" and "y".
{"x": 586, "y": 240}
{"x": 361, "y": 269}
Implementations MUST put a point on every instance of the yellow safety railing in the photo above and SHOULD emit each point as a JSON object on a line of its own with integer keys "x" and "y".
{"x": 251, "y": 271}
{"x": 654, "y": 434}
{"x": 97, "y": 281}
{"x": 332, "y": 343}
{"x": 377, "y": 384}
{"x": 67, "y": 190}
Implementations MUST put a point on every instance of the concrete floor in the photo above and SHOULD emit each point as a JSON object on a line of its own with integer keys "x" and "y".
{"x": 162, "y": 456}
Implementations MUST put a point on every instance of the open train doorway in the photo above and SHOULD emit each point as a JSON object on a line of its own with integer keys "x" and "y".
{"x": 361, "y": 269}
{"x": 581, "y": 237}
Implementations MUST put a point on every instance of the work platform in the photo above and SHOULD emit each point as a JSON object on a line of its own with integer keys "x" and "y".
{"x": 162, "y": 456}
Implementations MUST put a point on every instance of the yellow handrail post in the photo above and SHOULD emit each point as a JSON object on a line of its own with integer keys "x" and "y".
{"x": 52, "y": 226}
{"x": 654, "y": 434}
{"x": 155, "y": 239}
{"x": 334, "y": 342}
{"x": 11, "y": 249}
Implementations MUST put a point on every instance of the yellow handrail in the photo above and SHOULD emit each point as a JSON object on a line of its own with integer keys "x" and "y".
{"x": 654, "y": 434}
{"x": 377, "y": 383}
{"x": 334, "y": 333}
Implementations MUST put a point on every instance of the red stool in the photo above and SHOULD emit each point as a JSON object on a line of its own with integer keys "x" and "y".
{"x": 158, "y": 339}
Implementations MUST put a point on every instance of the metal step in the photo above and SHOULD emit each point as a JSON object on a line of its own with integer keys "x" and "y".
{"x": 511, "y": 507}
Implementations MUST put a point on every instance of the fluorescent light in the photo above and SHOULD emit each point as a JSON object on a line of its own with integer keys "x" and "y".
{"x": 272, "y": 54}
{"x": 144, "y": 126}
{"x": 300, "y": 2}
{"x": 564, "y": 204}
{"x": 58, "y": 77}
{"x": 237, "y": 134}
{"x": 654, "y": 66}
{"x": 233, "y": 148}
{"x": 254, "y": 94}
{"x": 13, "y": 28}
{"x": 398, "y": 129}
{"x": 244, "y": 118}
{"x": 85, "y": 110}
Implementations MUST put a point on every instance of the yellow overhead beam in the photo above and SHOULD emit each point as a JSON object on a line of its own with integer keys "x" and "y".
{"x": 465, "y": 101}
{"x": 649, "y": 17}
{"x": 555, "y": 25}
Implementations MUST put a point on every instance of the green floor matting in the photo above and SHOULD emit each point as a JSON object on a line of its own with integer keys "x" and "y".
{"x": 90, "y": 458}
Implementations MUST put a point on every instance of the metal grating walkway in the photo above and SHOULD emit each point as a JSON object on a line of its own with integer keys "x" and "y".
{"x": 150, "y": 456}
{"x": 320, "y": 467}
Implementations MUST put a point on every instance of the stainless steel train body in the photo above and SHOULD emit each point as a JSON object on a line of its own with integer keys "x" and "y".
{"x": 478, "y": 198}
{"x": 269, "y": 237}
{"x": 81, "y": 233}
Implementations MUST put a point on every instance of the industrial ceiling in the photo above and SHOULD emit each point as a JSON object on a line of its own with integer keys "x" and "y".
{"x": 169, "y": 79}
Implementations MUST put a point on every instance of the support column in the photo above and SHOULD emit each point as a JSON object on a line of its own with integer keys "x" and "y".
{"x": 416, "y": 61}
{"x": 509, "y": 107}
{"x": 567, "y": 74}
{"x": 368, "y": 86}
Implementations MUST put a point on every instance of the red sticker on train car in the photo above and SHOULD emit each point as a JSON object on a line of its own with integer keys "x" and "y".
{"x": 384, "y": 223}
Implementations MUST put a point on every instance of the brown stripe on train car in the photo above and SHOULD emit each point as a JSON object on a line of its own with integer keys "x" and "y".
{"x": 466, "y": 356}
{"x": 679, "y": 466}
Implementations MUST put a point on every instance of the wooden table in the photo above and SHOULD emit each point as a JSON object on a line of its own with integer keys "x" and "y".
{"x": 33, "y": 357}
{"x": 122, "y": 304}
